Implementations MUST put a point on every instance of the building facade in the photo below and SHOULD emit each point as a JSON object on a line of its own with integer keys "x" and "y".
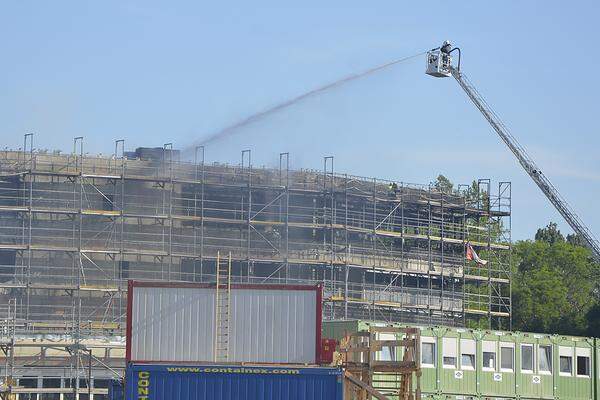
{"x": 75, "y": 228}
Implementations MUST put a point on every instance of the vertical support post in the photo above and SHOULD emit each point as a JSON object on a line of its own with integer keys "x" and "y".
{"x": 464, "y": 257}
{"x": 89, "y": 384}
{"x": 169, "y": 147}
{"x": 118, "y": 142}
{"x": 28, "y": 137}
{"x": 375, "y": 257}
{"x": 429, "y": 255}
{"x": 122, "y": 219}
{"x": 199, "y": 156}
{"x": 442, "y": 241}
{"x": 78, "y": 260}
{"x": 510, "y": 249}
{"x": 329, "y": 160}
{"x": 78, "y": 139}
{"x": 347, "y": 247}
{"x": 505, "y": 235}
{"x": 217, "y": 293}
{"x": 485, "y": 208}
{"x": 248, "y": 216}
{"x": 402, "y": 261}
{"x": 286, "y": 188}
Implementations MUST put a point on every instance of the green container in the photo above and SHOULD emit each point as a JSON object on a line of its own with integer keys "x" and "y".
{"x": 460, "y": 363}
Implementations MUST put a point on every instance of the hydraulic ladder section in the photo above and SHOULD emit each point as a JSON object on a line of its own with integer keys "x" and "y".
{"x": 439, "y": 64}
{"x": 222, "y": 308}
{"x": 529, "y": 165}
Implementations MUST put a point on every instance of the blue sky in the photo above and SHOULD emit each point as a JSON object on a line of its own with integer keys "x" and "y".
{"x": 156, "y": 72}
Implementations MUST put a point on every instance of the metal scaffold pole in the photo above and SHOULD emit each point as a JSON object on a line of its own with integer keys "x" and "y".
{"x": 248, "y": 153}
{"x": 78, "y": 261}
{"x": 285, "y": 206}
{"x": 168, "y": 147}
{"x": 328, "y": 220}
{"x": 29, "y": 213}
{"x": 346, "y": 247}
{"x": 198, "y": 176}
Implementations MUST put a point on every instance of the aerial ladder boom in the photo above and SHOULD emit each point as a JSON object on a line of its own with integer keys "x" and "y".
{"x": 439, "y": 64}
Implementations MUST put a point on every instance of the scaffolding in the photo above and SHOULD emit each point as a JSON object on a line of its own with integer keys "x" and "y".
{"x": 74, "y": 228}
{"x": 383, "y": 362}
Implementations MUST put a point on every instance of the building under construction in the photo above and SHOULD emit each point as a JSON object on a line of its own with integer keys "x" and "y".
{"x": 74, "y": 228}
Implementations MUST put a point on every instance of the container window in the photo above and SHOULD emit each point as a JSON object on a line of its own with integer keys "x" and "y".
{"x": 450, "y": 352}
{"x": 507, "y": 358}
{"x": 449, "y": 362}
{"x": 565, "y": 360}
{"x": 467, "y": 361}
{"x": 467, "y": 354}
{"x": 527, "y": 358}
{"x": 489, "y": 355}
{"x": 583, "y": 366}
{"x": 545, "y": 359}
{"x": 428, "y": 354}
{"x": 566, "y": 365}
{"x": 489, "y": 361}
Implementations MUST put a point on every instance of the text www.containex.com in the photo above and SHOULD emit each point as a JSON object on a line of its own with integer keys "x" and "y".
{"x": 230, "y": 370}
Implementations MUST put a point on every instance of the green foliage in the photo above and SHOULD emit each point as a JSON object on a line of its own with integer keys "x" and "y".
{"x": 477, "y": 197}
{"x": 549, "y": 234}
{"x": 593, "y": 318}
{"x": 443, "y": 184}
{"x": 575, "y": 240}
{"x": 478, "y": 323}
{"x": 555, "y": 286}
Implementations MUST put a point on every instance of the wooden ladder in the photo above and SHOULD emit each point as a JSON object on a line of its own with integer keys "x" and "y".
{"x": 222, "y": 306}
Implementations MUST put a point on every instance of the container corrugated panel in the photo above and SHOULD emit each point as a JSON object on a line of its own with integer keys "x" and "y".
{"x": 232, "y": 382}
{"x": 172, "y": 324}
{"x": 554, "y": 367}
{"x": 273, "y": 326}
{"x": 572, "y": 381}
{"x": 267, "y": 323}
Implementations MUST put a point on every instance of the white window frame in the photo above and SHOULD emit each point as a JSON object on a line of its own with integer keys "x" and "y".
{"x": 540, "y": 371}
{"x": 528, "y": 371}
{"x": 450, "y": 349}
{"x": 581, "y": 352}
{"x": 488, "y": 346}
{"x": 511, "y": 346}
{"x": 428, "y": 340}
{"x": 468, "y": 343}
{"x": 564, "y": 351}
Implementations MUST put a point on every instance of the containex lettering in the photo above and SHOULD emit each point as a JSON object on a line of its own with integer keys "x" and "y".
{"x": 143, "y": 385}
{"x": 229, "y": 370}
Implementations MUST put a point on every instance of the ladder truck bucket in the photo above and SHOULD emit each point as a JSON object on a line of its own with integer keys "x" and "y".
{"x": 438, "y": 63}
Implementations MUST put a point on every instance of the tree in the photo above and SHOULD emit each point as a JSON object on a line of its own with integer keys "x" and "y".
{"x": 549, "y": 234}
{"x": 555, "y": 285}
{"x": 443, "y": 184}
{"x": 593, "y": 320}
{"x": 575, "y": 240}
